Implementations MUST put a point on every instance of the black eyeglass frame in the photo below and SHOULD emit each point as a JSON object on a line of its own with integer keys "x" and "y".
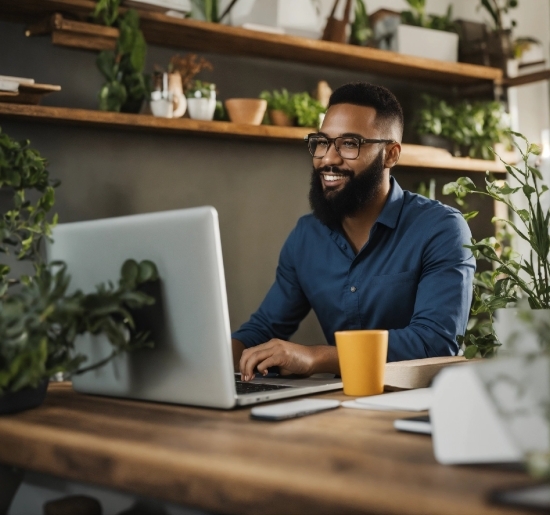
{"x": 333, "y": 140}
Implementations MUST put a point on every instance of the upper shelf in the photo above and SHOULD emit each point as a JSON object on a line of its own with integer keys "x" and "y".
{"x": 413, "y": 156}
{"x": 195, "y": 35}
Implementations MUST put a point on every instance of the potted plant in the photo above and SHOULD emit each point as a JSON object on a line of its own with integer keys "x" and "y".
{"x": 489, "y": 45}
{"x": 39, "y": 319}
{"x": 280, "y": 107}
{"x": 514, "y": 299}
{"x": 181, "y": 71}
{"x": 126, "y": 84}
{"x": 361, "y": 31}
{"x": 499, "y": 38}
{"x": 308, "y": 111}
{"x": 514, "y": 276}
{"x": 201, "y": 100}
{"x": 434, "y": 125}
{"x": 464, "y": 128}
{"x": 414, "y": 32}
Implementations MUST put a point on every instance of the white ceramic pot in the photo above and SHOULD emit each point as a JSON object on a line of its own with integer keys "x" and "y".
{"x": 162, "y": 107}
{"x": 201, "y": 108}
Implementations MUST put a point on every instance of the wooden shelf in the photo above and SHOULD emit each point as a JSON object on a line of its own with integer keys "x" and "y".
{"x": 412, "y": 156}
{"x": 527, "y": 78}
{"x": 195, "y": 35}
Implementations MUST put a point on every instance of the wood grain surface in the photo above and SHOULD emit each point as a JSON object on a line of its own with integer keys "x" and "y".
{"x": 341, "y": 461}
{"x": 414, "y": 156}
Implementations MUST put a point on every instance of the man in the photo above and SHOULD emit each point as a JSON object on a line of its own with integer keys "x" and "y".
{"x": 370, "y": 256}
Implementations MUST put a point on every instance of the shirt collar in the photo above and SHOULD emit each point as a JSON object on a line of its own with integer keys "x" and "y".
{"x": 392, "y": 208}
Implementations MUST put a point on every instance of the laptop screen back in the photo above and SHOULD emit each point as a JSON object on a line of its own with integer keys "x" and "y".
{"x": 191, "y": 362}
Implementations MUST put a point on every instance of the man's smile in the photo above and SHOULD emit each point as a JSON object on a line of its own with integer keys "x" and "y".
{"x": 332, "y": 179}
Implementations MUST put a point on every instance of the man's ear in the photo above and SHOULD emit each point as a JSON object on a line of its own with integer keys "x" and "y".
{"x": 393, "y": 151}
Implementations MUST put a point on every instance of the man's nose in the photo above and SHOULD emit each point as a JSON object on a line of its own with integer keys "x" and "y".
{"x": 332, "y": 156}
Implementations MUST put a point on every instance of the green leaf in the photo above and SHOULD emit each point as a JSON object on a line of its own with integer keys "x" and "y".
{"x": 147, "y": 272}
{"x": 535, "y": 172}
{"x": 130, "y": 272}
{"x": 470, "y": 215}
{"x": 471, "y": 351}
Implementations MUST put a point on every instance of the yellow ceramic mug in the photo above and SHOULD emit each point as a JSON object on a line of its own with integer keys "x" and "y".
{"x": 362, "y": 356}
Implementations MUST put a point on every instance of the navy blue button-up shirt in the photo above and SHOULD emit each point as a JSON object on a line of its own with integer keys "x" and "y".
{"x": 413, "y": 277}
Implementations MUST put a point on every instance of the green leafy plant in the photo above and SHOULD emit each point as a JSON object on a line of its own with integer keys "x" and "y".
{"x": 301, "y": 107}
{"x": 496, "y": 8}
{"x": 39, "y": 319}
{"x": 126, "y": 85}
{"x": 198, "y": 89}
{"x": 307, "y": 110}
{"x": 472, "y": 127}
{"x": 279, "y": 101}
{"x": 417, "y": 16}
{"x": 514, "y": 276}
{"x": 206, "y": 9}
{"x": 521, "y": 45}
{"x": 106, "y": 12}
{"x": 361, "y": 30}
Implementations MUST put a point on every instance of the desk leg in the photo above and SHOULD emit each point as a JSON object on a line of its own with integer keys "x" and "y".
{"x": 10, "y": 479}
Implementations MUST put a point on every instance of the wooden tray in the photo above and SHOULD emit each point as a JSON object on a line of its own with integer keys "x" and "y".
{"x": 28, "y": 93}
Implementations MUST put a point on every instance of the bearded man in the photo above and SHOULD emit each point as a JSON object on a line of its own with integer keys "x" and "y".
{"x": 370, "y": 256}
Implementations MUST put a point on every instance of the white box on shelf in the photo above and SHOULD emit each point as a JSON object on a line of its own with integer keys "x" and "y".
{"x": 296, "y": 17}
{"x": 428, "y": 43}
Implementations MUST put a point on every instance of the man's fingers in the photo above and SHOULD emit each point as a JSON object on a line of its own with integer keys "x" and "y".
{"x": 271, "y": 361}
{"x": 250, "y": 360}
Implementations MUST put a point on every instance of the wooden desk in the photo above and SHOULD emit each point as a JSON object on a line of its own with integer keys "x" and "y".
{"x": 342, "y": 461}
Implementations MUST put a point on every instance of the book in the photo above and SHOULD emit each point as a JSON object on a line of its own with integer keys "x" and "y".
{"x": 19, "y": 80}
{"x": 10, "y": 86}
{"x": 417, "y": 373}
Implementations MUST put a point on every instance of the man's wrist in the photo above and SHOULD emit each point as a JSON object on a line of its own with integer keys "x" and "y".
{"x": 325, "y": 360}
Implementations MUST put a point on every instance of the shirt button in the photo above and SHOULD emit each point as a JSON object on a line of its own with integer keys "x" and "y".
{"x": 353, "y": 289}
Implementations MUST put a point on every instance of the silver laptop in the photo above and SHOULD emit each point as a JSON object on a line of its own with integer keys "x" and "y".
{"x": 192, "y": 361}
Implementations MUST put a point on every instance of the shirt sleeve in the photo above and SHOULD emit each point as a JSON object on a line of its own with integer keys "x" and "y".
{"x": 444, "y": 294}
{"x": 284, "y": 306}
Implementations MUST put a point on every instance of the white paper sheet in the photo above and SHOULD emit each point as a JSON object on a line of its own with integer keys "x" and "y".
{"x": 409, "y": 400}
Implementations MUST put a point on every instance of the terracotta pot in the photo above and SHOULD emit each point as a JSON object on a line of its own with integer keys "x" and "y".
{"x": 246, "y": 110}
{"x": 280, "y": 118}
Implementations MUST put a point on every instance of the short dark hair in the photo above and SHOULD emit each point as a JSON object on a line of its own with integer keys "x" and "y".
{"x": 381, "y": 99}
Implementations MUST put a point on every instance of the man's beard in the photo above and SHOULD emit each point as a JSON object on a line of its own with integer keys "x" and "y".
{"x": 331, "y": 207}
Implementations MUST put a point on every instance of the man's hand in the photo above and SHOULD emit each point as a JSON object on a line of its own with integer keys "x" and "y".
{"x": 291, "y": 358}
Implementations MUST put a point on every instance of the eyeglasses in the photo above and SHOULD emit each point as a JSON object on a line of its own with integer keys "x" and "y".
{"x": 348, "y": 147}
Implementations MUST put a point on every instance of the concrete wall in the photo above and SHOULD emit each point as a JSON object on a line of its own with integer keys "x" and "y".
{"x": 259, "y": 189}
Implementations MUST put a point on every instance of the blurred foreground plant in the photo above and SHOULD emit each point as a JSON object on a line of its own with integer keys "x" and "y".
{"x": 513, "y": 276}
{"x": 39, "y": 319}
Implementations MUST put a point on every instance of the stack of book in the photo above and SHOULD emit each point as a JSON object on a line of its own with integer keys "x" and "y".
{"x": 21, "y": 90}
{"x": 9, "y": 84}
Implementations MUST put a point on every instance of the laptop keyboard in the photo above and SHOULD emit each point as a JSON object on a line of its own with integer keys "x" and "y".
{"x": 243, "y": 387}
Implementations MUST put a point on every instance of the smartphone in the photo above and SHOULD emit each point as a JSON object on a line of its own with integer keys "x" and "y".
{"x": 292, "y": 409}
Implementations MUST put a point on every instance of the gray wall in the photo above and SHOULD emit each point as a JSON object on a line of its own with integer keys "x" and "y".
{"x": 259, "y": 189}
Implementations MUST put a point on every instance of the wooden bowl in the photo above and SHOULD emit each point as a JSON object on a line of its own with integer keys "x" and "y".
{"x": 249, "y": 111}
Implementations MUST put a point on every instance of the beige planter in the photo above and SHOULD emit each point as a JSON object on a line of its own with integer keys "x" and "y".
{"x": 179, "y": 101}
{"x": 248, "y": 111}
{"x": 280, "y": 118}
